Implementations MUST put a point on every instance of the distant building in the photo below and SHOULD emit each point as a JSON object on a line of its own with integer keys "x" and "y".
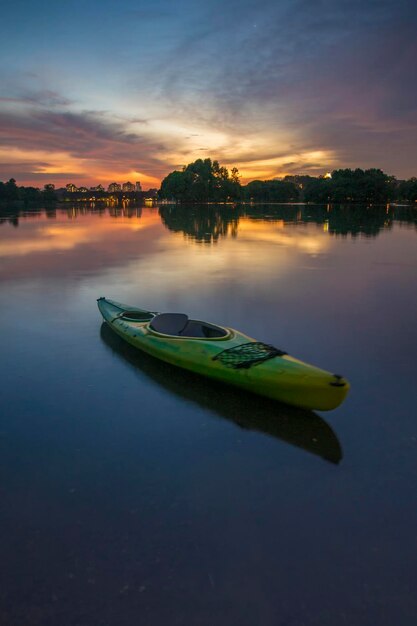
{"x": 82, "y": 189}
{"x": 128, "y": 186}
{"x": 98, "y": 188}
{"x": 114, "y": 187}
{"x": 71, "y": 188}
{"x": 138, "y": 186}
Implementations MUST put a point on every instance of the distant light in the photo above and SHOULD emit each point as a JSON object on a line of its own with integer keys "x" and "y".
{"x": 327, "y": 175}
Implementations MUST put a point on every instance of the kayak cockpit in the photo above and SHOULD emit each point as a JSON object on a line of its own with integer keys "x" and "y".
{"x": 137, "y": 316}
{"x": 179, "y": 325}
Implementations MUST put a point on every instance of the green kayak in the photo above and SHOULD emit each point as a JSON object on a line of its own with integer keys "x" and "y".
{"x": 226, "y": 355}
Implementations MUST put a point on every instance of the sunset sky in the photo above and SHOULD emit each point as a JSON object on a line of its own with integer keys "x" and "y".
{"x": 112, "y": 91}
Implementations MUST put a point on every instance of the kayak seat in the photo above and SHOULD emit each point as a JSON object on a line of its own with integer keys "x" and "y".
{"x": 178, "y": 325}
{"x": 169, "y": 323}
{"x": 202, "y": 329}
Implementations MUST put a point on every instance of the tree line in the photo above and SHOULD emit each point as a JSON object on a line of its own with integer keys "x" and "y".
{"x": 206, "y": 181}
{"x": 11, "y": 194}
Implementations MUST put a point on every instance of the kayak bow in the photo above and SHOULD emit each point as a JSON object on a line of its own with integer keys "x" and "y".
{"x": 226, "y": 355}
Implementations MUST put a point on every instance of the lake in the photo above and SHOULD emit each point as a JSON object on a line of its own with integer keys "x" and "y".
{"x": 135, "y": 493}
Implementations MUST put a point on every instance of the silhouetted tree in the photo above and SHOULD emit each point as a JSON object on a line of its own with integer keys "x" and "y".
{"x": 48, "y": 194}
{"x": 317, "y": 190}
{"x": 203, "y": 180}
{"x": 271, "y": 191}
{"x": 12, "y": 193}
{"x": 29, "y": 195}
{"x": 346, "y": 185}
{"x": 407, "y": 190}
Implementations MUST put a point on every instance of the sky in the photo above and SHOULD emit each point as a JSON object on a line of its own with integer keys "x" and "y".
{"x": 98, "y": 92}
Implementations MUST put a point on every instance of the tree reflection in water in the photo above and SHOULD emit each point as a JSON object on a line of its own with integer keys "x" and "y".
{"x": 206, "y": 224}
{"x": 209, "y": 223}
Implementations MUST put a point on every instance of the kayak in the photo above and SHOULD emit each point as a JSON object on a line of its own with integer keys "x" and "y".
{"x": 226, "y": 355}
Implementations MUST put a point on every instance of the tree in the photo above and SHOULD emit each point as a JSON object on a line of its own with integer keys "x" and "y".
{"x": 174, "y": 186}
{"x": 347, "y": 185}
{"x": 235, "y": 176}
{"x": 317, "y": 190}
{"x": 271, "y": 191}
{"x": 407, "y": 190}
{"x": 12, "y": 193}
{"x": 359, "y": 185}
{"x": 48, "y": 194}
{"x": 29, "y": 195}
{"x": 202, "y": 181}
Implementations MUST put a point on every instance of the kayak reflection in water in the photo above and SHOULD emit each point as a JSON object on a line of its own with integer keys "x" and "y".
{"x": 298, "y": 427}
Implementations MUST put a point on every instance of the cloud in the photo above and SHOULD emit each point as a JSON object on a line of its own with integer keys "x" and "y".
{"x": 27, "y": 88}
{"x": 73, "y": 143}
{"x": 235, "y": 81}
{"x": 323, "y": 75}
{"x": 47, "y": 98}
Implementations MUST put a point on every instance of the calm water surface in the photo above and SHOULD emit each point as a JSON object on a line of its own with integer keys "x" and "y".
{"x": 135, "y": 493}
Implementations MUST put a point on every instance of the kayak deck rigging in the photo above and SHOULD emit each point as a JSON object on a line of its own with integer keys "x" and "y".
{"x": 246, "y": 355}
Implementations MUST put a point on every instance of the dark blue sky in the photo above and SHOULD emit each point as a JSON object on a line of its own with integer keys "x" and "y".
{"x": 95, "y": 91}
